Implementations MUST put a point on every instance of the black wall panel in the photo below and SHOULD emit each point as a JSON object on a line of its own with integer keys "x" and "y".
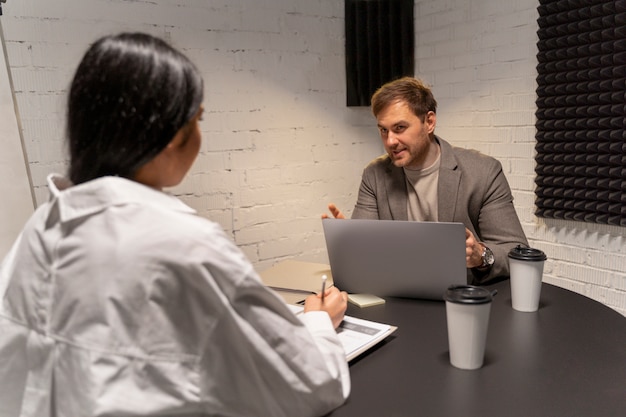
{"x": 581, "y": 111}
{"x": 380, "y": 40}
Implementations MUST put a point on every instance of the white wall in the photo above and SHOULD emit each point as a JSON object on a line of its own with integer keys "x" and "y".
{"x": 279, "y": 141}
{"x": 17, "y": 201}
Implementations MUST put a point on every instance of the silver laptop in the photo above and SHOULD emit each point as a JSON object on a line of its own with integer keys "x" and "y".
{"x": 395, "y": 258}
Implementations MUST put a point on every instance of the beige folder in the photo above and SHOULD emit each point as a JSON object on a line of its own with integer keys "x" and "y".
{"x": 295, "y": 280}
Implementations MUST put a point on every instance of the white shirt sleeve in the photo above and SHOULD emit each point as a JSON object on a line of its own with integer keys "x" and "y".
{"x": 287, "y": 365}
{"x": 320, "y": 326}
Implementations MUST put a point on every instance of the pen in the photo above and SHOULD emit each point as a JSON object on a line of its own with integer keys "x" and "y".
{"x": 323, "y": 286}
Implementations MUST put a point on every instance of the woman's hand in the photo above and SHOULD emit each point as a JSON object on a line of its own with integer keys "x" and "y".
{"x": 335, "y": 304}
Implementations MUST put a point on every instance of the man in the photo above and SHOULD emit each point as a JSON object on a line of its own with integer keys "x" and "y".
{"x": 424, "y": 178}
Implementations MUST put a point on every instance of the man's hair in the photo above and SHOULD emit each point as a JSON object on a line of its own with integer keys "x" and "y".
{"x": 130, "y": 94}
{"x": 410, "y": 90}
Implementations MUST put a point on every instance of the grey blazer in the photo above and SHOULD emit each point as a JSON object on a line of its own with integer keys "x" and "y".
{"x": 472, "y": 190}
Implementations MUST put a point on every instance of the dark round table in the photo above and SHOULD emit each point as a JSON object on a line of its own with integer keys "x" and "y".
{"x": 566, "y": 359}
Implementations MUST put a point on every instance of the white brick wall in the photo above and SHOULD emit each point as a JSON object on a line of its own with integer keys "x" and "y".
{"x": 279, "y": 142}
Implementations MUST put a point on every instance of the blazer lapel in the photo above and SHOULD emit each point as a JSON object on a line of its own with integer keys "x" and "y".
{"x": 396, "y": 192}
{"x": 449, "y": 182}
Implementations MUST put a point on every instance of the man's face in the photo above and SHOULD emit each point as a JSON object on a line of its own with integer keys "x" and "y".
{"x": 405, "y": 137}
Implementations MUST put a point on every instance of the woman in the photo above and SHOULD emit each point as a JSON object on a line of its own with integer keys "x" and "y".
{"x": 118, "y": 300}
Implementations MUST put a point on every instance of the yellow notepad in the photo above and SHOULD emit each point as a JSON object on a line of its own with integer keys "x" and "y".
{"x": 365, "y": 300}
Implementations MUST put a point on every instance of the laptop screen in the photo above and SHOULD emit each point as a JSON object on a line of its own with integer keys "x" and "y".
{"x": 395, "y": 258}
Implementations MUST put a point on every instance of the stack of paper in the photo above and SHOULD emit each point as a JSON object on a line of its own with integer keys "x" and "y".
{"x": 295, "y": 280}
{"x": 357, "y": 335}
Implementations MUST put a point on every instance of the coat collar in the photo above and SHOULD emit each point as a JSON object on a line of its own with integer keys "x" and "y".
{"x": 75, "y": 201}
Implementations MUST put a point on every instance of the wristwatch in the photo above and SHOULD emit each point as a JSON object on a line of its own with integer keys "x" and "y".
{"x": 487, "y": 257}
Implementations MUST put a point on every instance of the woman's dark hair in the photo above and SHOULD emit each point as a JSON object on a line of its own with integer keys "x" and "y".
{"x": 130, "y": 95}
{"x": 411, "y": 90}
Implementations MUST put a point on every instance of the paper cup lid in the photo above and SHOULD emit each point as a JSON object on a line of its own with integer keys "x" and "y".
{"x": 467, "y": 294}
{"x": 527, "y": 254}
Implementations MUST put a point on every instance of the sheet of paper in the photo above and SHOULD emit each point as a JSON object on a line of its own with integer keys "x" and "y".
{"x": 357, "y": 335}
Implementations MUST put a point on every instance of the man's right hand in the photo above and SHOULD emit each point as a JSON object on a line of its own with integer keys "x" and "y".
{"x": 334, "y": 211}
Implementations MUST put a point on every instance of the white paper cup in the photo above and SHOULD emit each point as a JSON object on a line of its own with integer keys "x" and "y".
{"x": 526, "y": 268}
{"x": 467, "y": 314}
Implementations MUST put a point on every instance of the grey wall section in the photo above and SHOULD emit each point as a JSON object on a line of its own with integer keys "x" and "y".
{"x": 16, "y": 200}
